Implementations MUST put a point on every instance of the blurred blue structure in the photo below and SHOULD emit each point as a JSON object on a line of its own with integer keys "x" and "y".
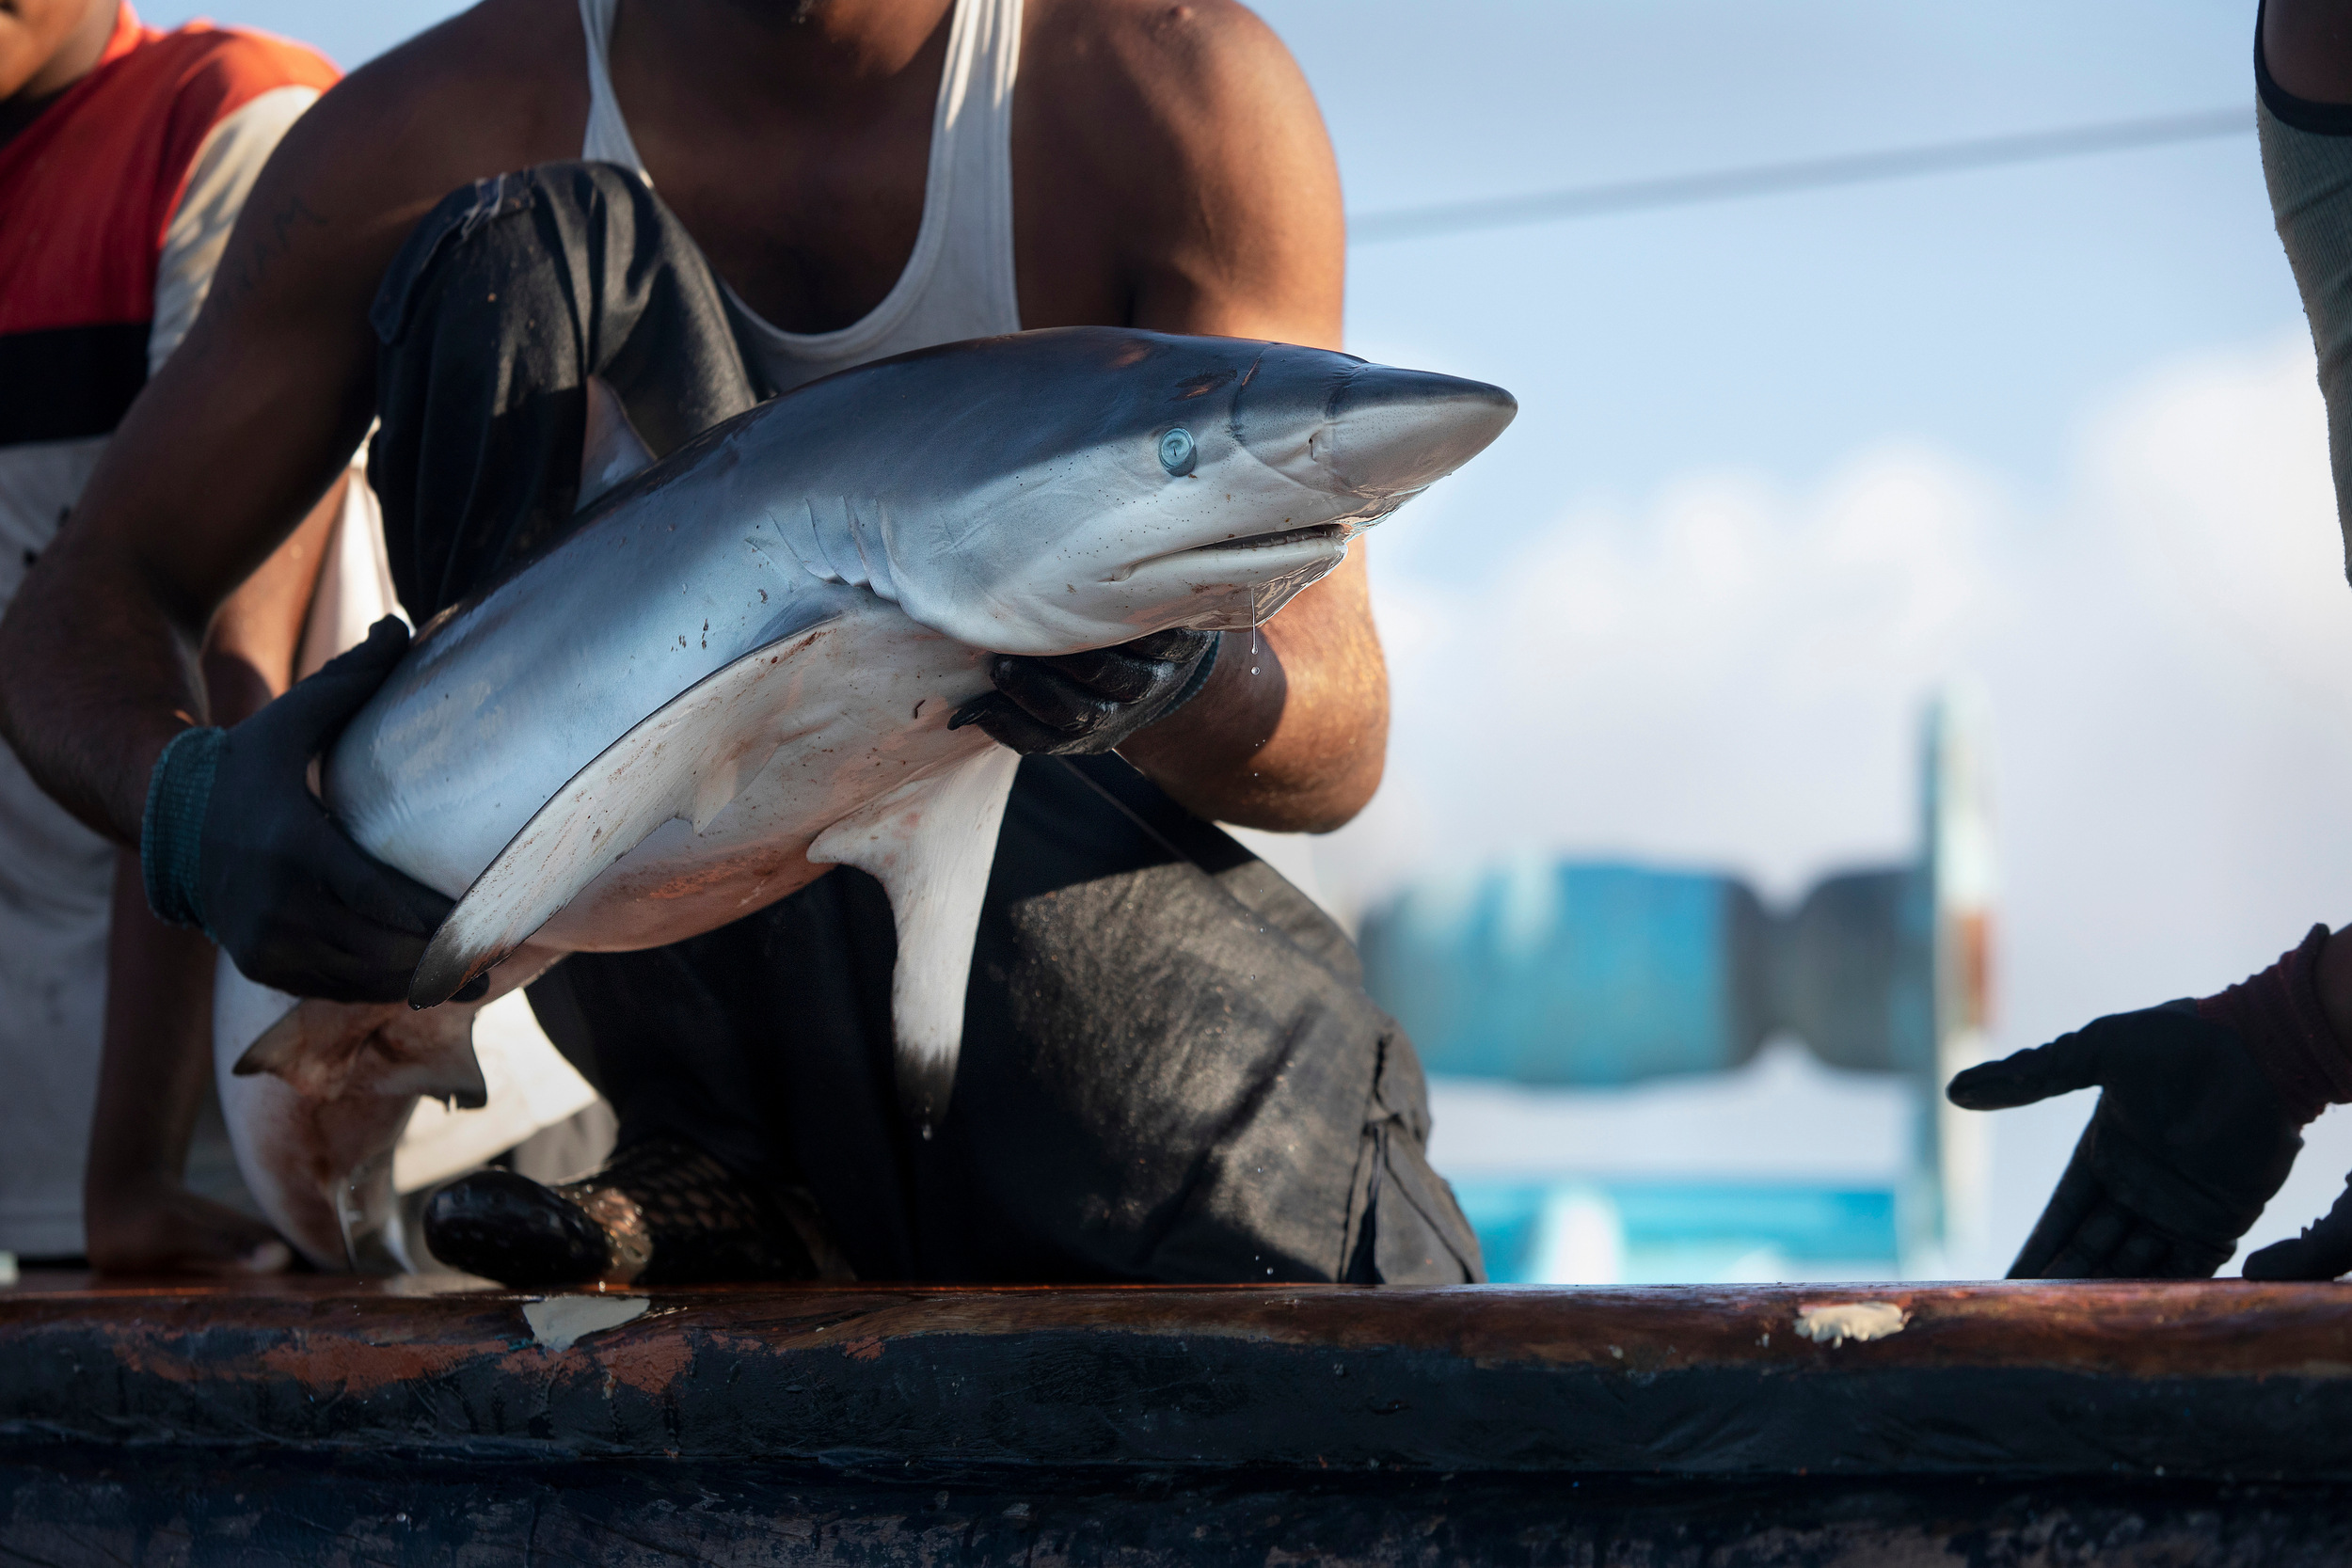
{"x": 1614, "y": 1230}
{"x": 1598, "y": 975}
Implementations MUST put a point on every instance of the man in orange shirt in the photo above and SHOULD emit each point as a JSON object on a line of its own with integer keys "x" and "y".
{"x": 126, "y": 154}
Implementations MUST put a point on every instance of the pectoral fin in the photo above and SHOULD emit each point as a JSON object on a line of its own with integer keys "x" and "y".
{"x": 326, "y": 1051}
{"x": 688, "y": 759}
{"x": 930, "y": 843}
{"x": 609, "y": 448}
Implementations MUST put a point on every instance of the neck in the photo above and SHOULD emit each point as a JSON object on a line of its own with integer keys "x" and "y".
{"x": 823, "y": 57}
{"x": 74, "y": 58}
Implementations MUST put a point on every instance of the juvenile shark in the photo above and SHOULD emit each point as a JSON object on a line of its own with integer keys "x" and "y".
{"x": 737, "y": 671}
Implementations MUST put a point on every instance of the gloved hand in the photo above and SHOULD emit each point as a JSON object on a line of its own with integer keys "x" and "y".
{"x": 234, "y": 841}
{"x": 2196, "y": 1128}
{"x": 1090, "y": 702}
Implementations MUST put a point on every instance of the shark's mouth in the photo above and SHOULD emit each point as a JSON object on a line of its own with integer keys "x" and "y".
{"x": 1234, "y": 553}
{"x": 1337, "y": 533}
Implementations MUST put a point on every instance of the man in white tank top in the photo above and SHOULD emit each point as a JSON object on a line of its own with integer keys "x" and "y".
{"x": 844, "y": 179}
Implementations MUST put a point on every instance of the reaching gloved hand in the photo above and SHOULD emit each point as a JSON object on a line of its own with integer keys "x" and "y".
{"x": 1090, "y": 702}
{"x": 235, "y": 842}
{"x": 2196, "y": 1128}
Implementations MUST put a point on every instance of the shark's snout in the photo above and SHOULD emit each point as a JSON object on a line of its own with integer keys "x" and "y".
{"x": 1393, "y": 432}
{"x": 1335, "y": 423}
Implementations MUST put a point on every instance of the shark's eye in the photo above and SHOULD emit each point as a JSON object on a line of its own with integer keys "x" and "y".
{"x": 1177, "y": 453}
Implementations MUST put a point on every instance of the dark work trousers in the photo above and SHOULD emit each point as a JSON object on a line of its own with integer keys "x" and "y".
{"x": 1170, "y": 1071}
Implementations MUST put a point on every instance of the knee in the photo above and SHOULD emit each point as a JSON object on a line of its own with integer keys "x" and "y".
{"x": 508, "y": 235}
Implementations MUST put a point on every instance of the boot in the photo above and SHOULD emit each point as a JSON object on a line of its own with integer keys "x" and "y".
{"x": 661, "y": 1213}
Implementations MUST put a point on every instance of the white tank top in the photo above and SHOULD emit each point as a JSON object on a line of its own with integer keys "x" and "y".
{"x": 958, "y": 283}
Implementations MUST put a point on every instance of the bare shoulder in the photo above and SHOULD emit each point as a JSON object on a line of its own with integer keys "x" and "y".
{"x": 279, "y": 365}
{"x": 1178, "y": 34}
{"x": 1189, "y": 129}
{"x": 496, "y": 87}
{"x": 1193, "y": 67}
{"x": 495, "y": 71}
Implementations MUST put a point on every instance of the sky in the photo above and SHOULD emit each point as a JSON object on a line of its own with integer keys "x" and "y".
{"x": 1785, "y": 465}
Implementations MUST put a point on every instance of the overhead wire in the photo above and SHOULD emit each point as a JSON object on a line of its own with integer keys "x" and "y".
{"x": 1808, "y": 174}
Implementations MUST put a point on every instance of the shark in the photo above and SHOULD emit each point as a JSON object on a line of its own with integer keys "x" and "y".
{"x": 738, "y": 669}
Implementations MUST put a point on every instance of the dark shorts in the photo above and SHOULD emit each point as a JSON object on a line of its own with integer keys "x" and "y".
{"x": 1170, "y": 1071}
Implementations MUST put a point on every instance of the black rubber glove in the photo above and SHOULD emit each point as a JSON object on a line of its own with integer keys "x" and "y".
{"x": 235, "y": 842}
{"x": 1090, "y": 702}
{"x": 2190, "y": 1138}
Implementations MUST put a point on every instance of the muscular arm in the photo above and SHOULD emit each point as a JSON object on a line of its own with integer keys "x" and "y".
{"x": 250, "y": 420}
{"x": 1226, "y": 221}
{"x": 239, "y": 432}
{"x": 230, "y": 445}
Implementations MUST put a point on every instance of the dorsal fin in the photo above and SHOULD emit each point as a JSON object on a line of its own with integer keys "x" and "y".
{"x": 609, "y": 448}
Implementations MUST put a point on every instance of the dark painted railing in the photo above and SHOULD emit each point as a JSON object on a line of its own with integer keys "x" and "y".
{"x": 327, "y": 1421}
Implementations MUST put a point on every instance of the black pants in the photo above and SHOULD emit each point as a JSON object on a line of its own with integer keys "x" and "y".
{"x": 1170, "y": 1071}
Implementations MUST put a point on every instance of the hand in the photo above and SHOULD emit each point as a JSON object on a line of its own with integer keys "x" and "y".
{"x": 158, "y": 1226}
{"x": 2190, "y": 1139}
{"x": 277, "y": 882}
{"x": 1090, "y": 702}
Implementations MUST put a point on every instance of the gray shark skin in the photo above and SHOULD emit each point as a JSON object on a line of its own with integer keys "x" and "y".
{"x": 738, "y": 669}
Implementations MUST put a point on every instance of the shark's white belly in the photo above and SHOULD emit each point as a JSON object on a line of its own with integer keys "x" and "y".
{"x": 866, "y": 701}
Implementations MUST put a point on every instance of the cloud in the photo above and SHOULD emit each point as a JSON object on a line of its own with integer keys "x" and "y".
{"x": 2209, "y": 485}
{"x": 1732, "y": 672}
{"x": 1727, "y": 675}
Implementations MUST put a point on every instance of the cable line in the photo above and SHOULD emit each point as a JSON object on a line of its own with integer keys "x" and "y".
{"x": 1810, "y": 174}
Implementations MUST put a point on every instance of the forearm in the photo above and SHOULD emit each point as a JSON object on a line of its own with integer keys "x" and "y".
{"x": 96, "y": 676}
{"x": 1291, "y": 733}
{"x": 250, "y": 651}
{"x": 137, "y": 1215}
{"x": 158, "y": 1046}
{"x": 98, "y": 670}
